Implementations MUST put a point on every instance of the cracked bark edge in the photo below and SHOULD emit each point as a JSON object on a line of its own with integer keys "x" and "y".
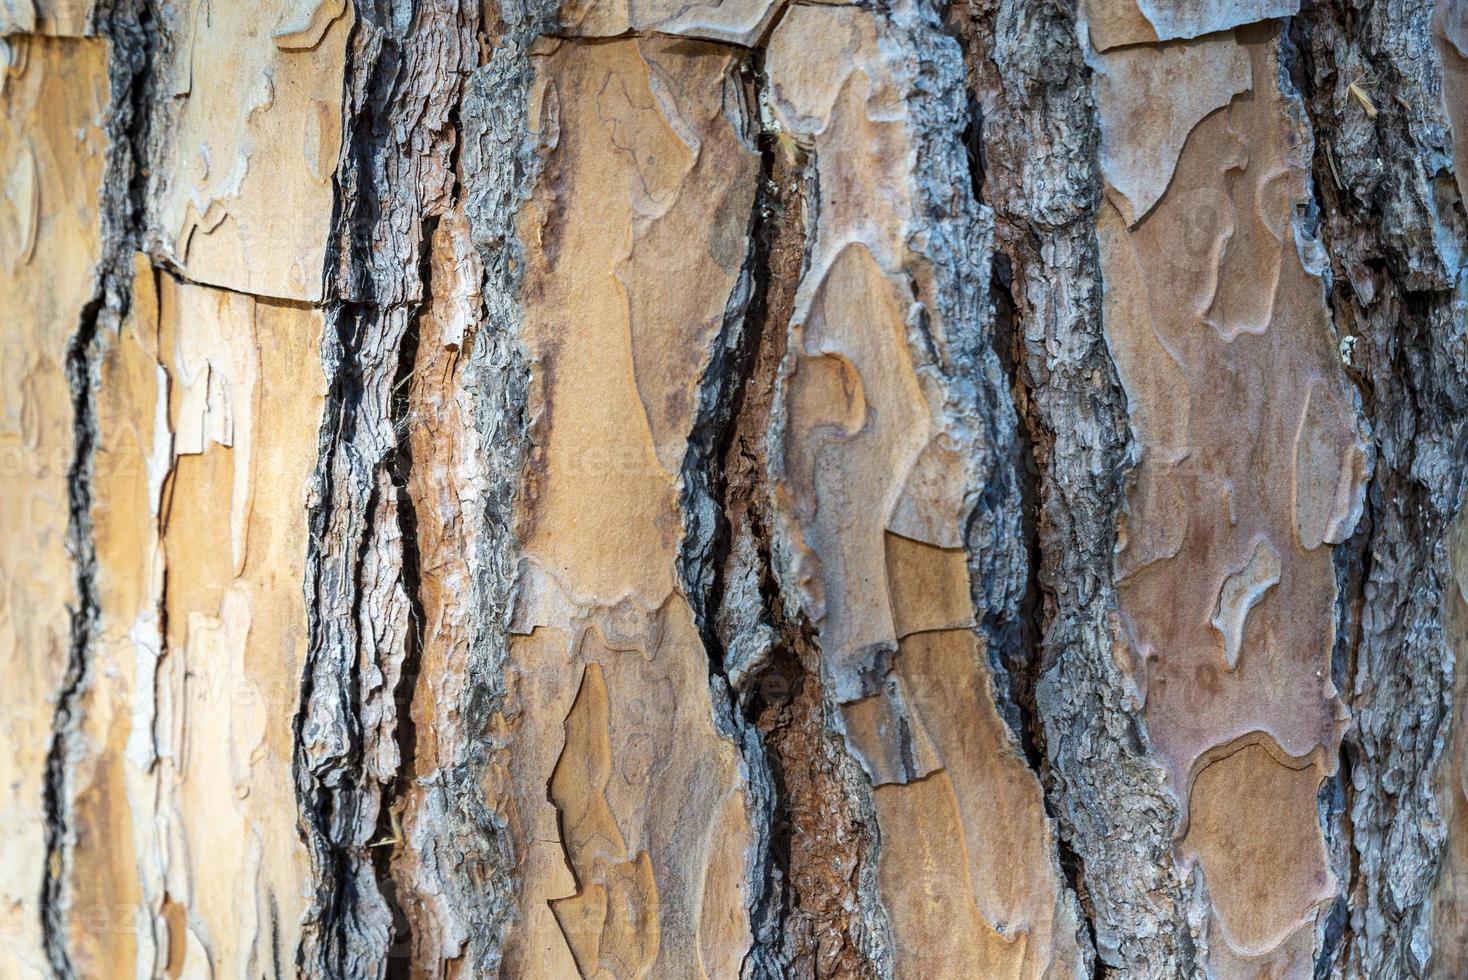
{"x": 395, "y": 177}
{"x": 998, "y": 552}
{"x": 799, "y": 916}
{"x": 1399, "y": 289}
{"x": 1002, "y": 536}
{"x": 127, "y": 27}
{"x": 704, "y": 553}
{"x": 656, "y": 733}
{"x": 969, "y": 511}
{"x": 1107, "y": 793}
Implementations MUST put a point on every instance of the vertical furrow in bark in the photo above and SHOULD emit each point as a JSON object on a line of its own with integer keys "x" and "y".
{"x": 609, "y": 186}
{"x": 405, "y": 67}
{"x": 392, "y": 846}
{"x": 816, "y": 839}
{"x": 719, "y": 563}
{"x": 1385, "y": 86}
{"x": 896, "y": 518}
{"x": 1040, "y": 144}
{"x": 126, "y": 29}
{"x": 184, "y": 854}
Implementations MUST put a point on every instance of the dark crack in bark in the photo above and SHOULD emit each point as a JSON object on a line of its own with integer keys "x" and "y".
{"x": 1394, "y": 228}
{"x": 1040, "y": 144}
{"x": 128, "y": 26}
{"x": 820, "y": 843}
{"x": 406, "y": 64}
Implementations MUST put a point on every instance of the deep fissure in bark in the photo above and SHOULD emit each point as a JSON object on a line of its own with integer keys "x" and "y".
{"x": 1022, "y": 666}
{"x": 1016, "y": 648}
{"x": 1013, "y": 634}
{"x": 709, "y": 496}
{"x": 1390, "y": 232}
{"x": 705, "y": 549}
{"x": 1041, "y": 141}
{"x": 806, "y": 889}
{"x": 1018, "y": 657}
{"x": 399, "y": 466}
{"x": 80, "y": 371}
{"x": 354, "y": 322}
{"x": 319, "y": 806}
{"x": 128, "y": 27}
{"x": 351, "y": 779}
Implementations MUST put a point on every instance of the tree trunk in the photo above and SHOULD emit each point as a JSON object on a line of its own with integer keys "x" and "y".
{"x": 746, "y": 488}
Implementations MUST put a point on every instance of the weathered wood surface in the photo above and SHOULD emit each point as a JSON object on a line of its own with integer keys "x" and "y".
{"x": 750, "y": 488}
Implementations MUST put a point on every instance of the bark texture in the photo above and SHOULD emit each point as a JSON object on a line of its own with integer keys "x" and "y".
{"x": 747, "y": 488}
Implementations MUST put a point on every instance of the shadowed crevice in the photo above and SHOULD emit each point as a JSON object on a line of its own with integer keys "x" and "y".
{"x": 129, "y": 29}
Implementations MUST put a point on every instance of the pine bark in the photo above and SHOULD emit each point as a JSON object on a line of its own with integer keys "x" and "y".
{"x": 636, "y": 488}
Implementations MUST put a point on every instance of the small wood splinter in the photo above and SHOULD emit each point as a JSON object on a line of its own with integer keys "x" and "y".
{"x": 397, "y": 832}
{"x": 1367, "y": 105}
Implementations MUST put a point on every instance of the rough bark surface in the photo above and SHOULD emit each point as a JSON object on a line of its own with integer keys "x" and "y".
{"x": 748, "y": 488}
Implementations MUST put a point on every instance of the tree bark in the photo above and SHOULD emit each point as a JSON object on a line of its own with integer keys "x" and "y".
{"x": 750, "y": 488}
